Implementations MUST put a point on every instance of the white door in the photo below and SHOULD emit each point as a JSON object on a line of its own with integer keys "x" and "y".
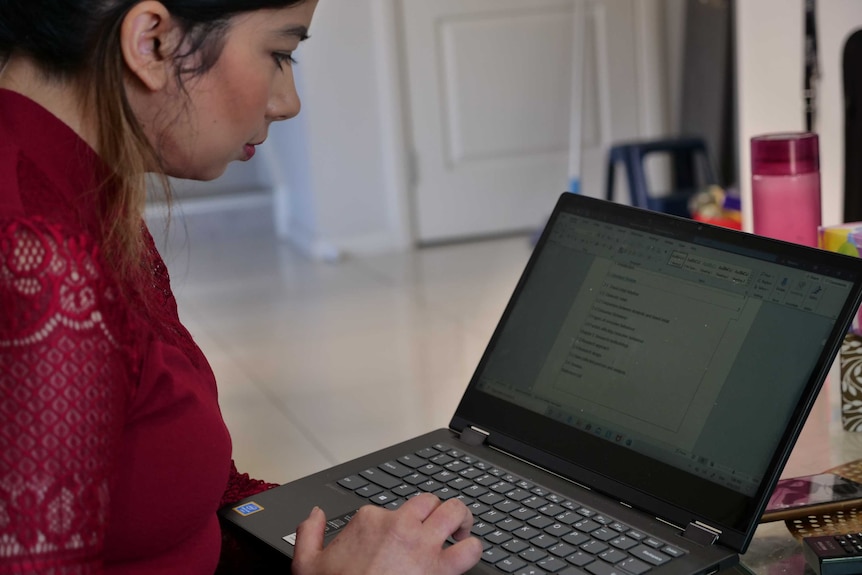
{"x": 490, "y": 99}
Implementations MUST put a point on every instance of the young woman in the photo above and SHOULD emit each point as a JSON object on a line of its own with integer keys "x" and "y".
{"x": 113, "y": 454}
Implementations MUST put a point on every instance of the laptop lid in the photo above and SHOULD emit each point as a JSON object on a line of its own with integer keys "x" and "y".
{"x": 664, "y": 362}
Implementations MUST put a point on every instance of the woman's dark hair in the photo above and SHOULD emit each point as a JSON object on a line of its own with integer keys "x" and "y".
{"x": 79, "y": 41}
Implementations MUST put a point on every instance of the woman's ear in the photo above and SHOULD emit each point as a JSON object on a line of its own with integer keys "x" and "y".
{"x": 147, "y": 39}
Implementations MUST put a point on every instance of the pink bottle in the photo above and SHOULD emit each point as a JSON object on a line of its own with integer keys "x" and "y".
{"x": 785, "y": 186}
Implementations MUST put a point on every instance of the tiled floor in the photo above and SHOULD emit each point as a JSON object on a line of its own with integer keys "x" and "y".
{"x": 320, "y": 362}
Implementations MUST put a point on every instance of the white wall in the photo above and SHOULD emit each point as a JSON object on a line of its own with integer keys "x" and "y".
{"x": 770, "y": 36}
{"x": 338, "y": 192}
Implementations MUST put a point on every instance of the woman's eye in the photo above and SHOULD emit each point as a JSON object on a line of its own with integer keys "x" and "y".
{"x": 282, "y": 58}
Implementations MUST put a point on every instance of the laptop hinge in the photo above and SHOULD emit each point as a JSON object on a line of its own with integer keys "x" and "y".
{"x": 473, "y": 436}
{"x": 701, "y": 534}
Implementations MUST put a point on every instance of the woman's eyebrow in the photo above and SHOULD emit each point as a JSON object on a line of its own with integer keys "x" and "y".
{"x": 298, "y": 31}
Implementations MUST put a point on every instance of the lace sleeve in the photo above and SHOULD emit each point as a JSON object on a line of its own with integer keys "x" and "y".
{"x": 240, "y": 486}
{"x": 63, "y": 382}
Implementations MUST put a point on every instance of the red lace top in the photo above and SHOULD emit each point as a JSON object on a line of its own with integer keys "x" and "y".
{"x": 113, "y": 454}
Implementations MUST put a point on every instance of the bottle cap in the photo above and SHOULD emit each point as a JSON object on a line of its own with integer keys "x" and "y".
{"x": 787, "y": 154}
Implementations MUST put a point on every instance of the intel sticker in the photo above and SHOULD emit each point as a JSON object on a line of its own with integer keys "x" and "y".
{"x": 248, "y": 509}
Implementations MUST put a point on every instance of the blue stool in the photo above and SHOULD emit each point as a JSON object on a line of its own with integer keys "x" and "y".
{"x": 684, "y": 153}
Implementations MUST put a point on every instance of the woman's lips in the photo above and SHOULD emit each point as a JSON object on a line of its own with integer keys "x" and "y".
{"x": 249, "y": 151}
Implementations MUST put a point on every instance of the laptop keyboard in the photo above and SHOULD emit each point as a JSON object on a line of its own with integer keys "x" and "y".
{"x": 524, "y": 528}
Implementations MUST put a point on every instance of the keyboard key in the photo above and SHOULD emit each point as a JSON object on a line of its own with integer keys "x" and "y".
{"x": 623, "y": 542}
{"x": 506, "y": 506}
{"x": 672, "y": 551}
{"x": 551, "y": 564}
{"x": 404, "y": 490}
{"x": 649, "y": 555}
{"x": 612, "y": 556}
{"x": 492, "y": 516}
{"x": 653, "y": 542}
{"x": 486, "y": 480}
{"x": 396, "y": 469}
{"x": 523, "y": 513}
{"x": 602, "y": 568}
{"x": 561, "y": 549}
{"x": 558, "y": 530}
{"x": 415, "y": 478}
{"x": 634, "y": 566}
{"x": 442, "y": 459}
{"x": 580, "y": 558}
{"x": 604, "y": 534}
{"x": 554, "y": 498}
{"x": 594, "y": 547}
{"x": 383, "y": 498}
{"x": 576, "y": 538}
{"x": 368, "y": 491}
{"x": 510, "y": 564}
{"x": 446, "y": 493}
{"x": 601, "y": 519}
{"x": 459, "y": 483}
{"x": 474, "y": 491}
{"x": 543, "y": 541}
{"x": 477, "y": 508}
{"x": 429, "y": 469}
{"x": 518, "y": 494}
{"x": 430, "y": 486}
{"x": 540, "y": 521}
{"x": 515, "y": 546}
{"x": 532, "y": 570}
{"x": 444, "y": 476}
{"x": 568, "y": 517}
{"x": 587, "y": 526}
{"x": 427, "y": 453}
{"x": 619, "y": 527}
{"x": 494, "y": 555}
{"x": 352, "y": 482}
{"x": 502, "y": 487}
{"x": 456, "y": 466}
{"x": 551, "y": 509}
{"x": 510, "y": 524}
{"x": 471, "y": 473}
{"x": 636, "y": 535}
{"x": 532, "y": 554}
{"x": 412, "y": 461}
{"x": 491, "y": 498}
{"x": 526, "y": 532}
{"x": 498, "y": 537}
{"x": 480, "y": 528}
{"x": 534, "y": 502}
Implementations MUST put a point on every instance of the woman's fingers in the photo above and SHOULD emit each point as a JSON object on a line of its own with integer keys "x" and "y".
{"x": 451, "y": 518}
{"x": 309, "y": 540}
{"x": 461, "y": 556}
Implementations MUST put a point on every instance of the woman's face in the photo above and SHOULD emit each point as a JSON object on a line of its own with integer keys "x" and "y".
{"x": 225, "y": 112}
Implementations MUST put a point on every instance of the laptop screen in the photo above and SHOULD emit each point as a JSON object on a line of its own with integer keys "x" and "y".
{"x": 665, "y": 341}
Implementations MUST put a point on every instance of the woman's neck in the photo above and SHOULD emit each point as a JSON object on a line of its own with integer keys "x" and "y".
{"x": 23, "y": 75}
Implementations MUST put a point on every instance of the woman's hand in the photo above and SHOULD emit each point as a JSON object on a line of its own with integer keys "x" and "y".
{"x": 403, "y": 542}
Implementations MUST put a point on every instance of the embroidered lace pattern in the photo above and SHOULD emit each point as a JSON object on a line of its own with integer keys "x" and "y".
{"x": 64, "y": 376}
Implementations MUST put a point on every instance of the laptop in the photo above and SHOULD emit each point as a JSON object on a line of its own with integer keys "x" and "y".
{"x": 633, "y": 410}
